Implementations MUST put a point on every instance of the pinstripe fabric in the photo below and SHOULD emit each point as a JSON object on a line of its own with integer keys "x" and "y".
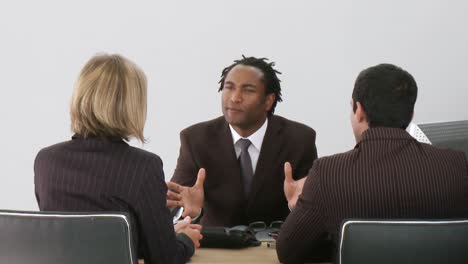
{"x": 97, "y": 175}
{"x": 387, "y": 175}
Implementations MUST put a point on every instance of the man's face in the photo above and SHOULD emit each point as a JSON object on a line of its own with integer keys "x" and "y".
{"x": 244, "y": 103}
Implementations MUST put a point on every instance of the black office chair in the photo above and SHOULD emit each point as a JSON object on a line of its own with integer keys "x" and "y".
{"x": 401, "y": 241}
{"x": 65, "y": 238}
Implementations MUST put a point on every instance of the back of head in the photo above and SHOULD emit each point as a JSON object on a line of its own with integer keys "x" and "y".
{"x": 270, "y": 79}
{"x": 109, "y": 99}
{"x": 387, "y": 94}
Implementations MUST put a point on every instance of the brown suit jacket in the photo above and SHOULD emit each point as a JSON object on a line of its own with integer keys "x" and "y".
{"x": 388, "y": 175}
{"x": 209, "y": 145}
{"x": 109, "y": 175}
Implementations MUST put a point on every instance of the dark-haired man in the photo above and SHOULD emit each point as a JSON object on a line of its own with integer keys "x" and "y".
{"x": 242, "y": 152}
{"x": 387, "y": 175}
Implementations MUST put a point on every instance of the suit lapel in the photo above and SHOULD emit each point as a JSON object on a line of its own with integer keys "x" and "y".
{"x": 271, "y": 147}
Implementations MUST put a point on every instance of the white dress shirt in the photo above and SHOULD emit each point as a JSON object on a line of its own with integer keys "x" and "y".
{"x": 256, "y": 138}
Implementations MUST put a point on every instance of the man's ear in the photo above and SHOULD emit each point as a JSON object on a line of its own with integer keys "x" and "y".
{"x": 269, "y": 100}
{"x": 360, "y": 114}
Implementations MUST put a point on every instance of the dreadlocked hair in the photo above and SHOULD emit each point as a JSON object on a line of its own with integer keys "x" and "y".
{"x": 270, "y": 78}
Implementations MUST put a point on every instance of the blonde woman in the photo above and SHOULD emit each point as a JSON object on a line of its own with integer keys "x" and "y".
{"x": 98, "y": 171}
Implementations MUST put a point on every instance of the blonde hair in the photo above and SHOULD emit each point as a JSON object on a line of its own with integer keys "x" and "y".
{"x": 109, "y": 99}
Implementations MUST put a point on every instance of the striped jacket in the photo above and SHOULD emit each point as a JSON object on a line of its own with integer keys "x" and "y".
{"x": 109, "y": 175}
{"x": 387, "y": 175}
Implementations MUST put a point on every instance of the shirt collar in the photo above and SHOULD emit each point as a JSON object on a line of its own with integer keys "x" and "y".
{"x": 256, "y": 138}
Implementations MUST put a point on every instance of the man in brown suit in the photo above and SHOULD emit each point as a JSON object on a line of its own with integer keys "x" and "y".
{"x": 387, "y": 175}
{"x": 241, "y": 187}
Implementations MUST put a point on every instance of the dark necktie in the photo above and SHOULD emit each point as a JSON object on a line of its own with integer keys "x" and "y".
{"x": 245, "y": 164}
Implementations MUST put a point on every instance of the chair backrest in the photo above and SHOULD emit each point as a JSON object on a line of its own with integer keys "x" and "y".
{"x": 65, "y": 238}
{"x": 452, "y": 135}
{"x": 401, "y": 241}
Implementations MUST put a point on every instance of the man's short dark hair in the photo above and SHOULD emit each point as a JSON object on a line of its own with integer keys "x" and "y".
{"x": 270, "y": 79}
{"x": 388, "y": 94}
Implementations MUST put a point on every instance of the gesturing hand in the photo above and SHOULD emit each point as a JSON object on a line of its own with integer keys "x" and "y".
{"x": 191, "y": 198}
{"x": 292, "y": 188}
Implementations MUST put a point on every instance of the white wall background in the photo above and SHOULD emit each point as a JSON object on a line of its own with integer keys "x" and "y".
{"x": 320, "y": 46}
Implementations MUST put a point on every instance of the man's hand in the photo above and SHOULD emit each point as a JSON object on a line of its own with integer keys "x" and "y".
{"x": 181, "y": 225}
{"x": 191, "y": 198}
{"x": 191, "y": 230}
{"x": 292, "y": 188}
